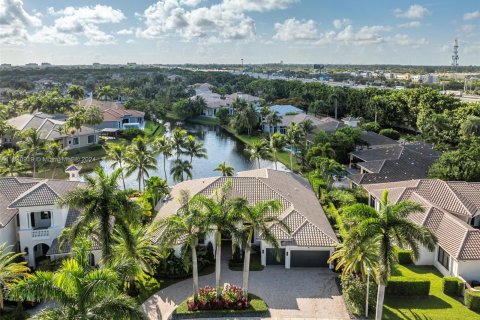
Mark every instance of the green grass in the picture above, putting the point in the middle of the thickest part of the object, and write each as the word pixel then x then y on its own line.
pixel 257 307
pixel 153 129
pixel 436 306
pixel 255 264
pixel 203 120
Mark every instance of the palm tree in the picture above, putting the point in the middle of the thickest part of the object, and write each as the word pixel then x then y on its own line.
pixel 178 141
pixel 326 150
pixel 55 152
pixel 116 153
pixel 78 290
pixel 187 225
pixel 334 98
pixel 101 202
pixel 272 119
pixel 258 217
pixel 258 150
pixel 156 189
pixel 76 92
pixel 227 171
pixel 141 159
pixel 163 145
pixel 105 93
pixel 388 227
pixel 291 138
pixel 220 212
pixel 93 116
pixel 181 168
pixel 10 271
pixel 194 148
pixel 306 127
pixel 32 146
pixel 277 144
pixel 10 161
pixel 328 169
pixel 75 121
pixel 318 107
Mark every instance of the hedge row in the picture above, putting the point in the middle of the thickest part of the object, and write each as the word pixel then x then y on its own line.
pixel 472 299
pixel 401 286
pixel 452 285
pixel 404 256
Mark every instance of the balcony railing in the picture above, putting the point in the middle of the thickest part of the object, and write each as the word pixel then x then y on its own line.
pixel 40 233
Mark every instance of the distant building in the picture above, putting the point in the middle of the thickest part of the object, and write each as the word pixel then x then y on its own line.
pixel 32 64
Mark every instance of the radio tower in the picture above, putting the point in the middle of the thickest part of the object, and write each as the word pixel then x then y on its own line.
pixel 455 55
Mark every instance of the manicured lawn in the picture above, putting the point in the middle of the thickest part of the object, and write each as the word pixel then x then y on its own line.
pixel 437 306
pixel 203 120
pixel 255 264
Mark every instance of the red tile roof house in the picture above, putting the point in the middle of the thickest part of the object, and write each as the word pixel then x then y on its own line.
pixel 312 239
pixel 115 116
pixel 452 213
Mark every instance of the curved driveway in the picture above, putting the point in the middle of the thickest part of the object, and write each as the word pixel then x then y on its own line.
pixel 297 293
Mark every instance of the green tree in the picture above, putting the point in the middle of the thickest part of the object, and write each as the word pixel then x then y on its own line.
pixel 177 140
pixel 194 148
pixel 227 171
pixel 57 154
pixel 76 92
pixel 319 107
pixel 277 145
pixel 179 169
pixel 10 162
pixel 272 120
pixel 32 146
pixel 223 116
pixel 163 146
pixel 306 127
pixel 75 121
pixel 11 271
pixel 140 158
pixel 292 138
pixel 458 165
pixel 156 189
pixel 116 153
pixel 105 93
pixel 258 150
pixel 78 290
pixel 93 116
pixel 388 227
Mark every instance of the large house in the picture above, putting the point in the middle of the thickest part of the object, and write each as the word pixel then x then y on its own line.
pixel 30 220
pixel 51 128
pixel 115 116
pixel 312 239
pixel 452 213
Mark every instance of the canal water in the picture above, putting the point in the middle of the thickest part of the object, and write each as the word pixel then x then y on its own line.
pixel 221 146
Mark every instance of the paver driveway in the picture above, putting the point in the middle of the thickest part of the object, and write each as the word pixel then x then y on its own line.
pixel 295 293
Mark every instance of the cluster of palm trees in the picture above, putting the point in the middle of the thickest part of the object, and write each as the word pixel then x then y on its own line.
pixel 220 214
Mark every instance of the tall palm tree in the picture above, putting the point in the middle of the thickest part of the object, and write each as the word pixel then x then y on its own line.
pixel 163 145
pixel 10 162
pixel 292 138
pixel 116 153
pixel 156 188
pixel 258 150
pixel 227 171
pixel 318 107
pixel 105 93
pixel 75 121
pixel 276 144
pixel 272 119
pixel 220 212
pixel 101 202
pixel 258 217
pixel 76 92
pixel 388 227
pixel 78 290
pixel 10 271
pixel 194 148
pixel 187 225
pixel 334 99
pixel 140 158
pixel 93 116
pixel 33 146
pixel 54 151
pixel 178 141
pixel 181 168
pixel 306 127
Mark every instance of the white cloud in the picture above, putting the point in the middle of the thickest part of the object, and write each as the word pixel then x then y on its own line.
pixel 415 11
pixel 125 32
pixel 410 24
pixel 15 21
pixel 295 30
pixel 190 3
pixel 257 5
pixel 130 41
pixel 340 23
pixel 471 15
pixel 405 40
pixel 468 30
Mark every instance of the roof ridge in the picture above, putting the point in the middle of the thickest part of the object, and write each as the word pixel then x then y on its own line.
pixel 313 224
pixel 35 187
pixel 463 243
pixel 460 197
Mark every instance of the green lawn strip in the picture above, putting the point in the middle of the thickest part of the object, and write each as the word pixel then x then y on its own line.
pixel 255 264
pixel 436 306
pixel 153 129
pixel 258 307
pixel 203 120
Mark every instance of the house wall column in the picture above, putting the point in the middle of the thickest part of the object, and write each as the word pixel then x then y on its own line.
pixel 31 256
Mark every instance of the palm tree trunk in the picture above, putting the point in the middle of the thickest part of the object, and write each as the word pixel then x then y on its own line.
pixel 246 264
pixel 194 272
pixel 34 166
pixel 291 160
pixel 53 173
pixel 123 177
pixel 258 162
pixel 1 299
pixel 380 297
pixel 164 166
pixel 218 263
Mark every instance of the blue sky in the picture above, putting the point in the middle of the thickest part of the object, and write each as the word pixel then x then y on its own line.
pixel 225 31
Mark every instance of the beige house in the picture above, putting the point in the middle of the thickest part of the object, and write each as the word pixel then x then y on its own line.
pixel 452 213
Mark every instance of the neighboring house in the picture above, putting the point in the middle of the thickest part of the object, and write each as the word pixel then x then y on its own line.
pixel 390 164
pixel 51 128
pixel 30 220
pixel 374 140
pixel 312 239
pixel 452 213
pixel 115 116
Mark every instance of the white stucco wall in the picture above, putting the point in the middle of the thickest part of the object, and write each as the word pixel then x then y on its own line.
pixel 426 257
pixel 469 269
pixel 8 234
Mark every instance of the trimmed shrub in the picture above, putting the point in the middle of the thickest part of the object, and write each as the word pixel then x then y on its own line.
pixel 472 299
pixel 401 286
pixel 131 133
pixel 452 285
pixel 354 291
pixel 371 126
pixel 404 256
pixel 390 133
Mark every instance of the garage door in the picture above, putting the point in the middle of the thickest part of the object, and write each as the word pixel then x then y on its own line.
pixel 272 257
pixel 305 258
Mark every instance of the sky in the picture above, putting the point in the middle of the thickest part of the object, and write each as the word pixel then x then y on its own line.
pixel 226 31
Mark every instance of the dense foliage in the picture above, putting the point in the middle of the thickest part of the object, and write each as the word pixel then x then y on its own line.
pixel 452 285
pixel 401 286
pixel 354 291
pixel 232 298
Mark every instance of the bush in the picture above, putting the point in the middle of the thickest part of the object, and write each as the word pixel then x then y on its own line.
pixel 223 116
pixel 341 198
pixel 472 299
pixel 452 285
pixel 232 298
pixel 354 290
pixel 390 133
pixel 404 256
pixel 371 126
pixel 401 286
pixel 131 133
